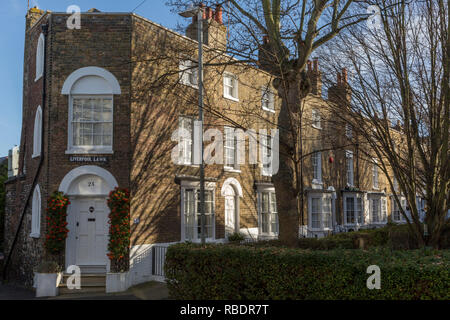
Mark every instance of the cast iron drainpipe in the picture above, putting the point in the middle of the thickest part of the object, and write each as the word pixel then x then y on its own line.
pixel 41 158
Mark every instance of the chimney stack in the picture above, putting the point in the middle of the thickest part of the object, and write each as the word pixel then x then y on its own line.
pixel 214 31
pixel 340 93
pixel 315 77
pixel 33 15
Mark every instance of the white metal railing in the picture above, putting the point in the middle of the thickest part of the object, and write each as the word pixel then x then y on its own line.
pixel 158 259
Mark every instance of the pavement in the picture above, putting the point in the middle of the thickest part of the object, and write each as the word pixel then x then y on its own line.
pixel 145 291
pixel 10 292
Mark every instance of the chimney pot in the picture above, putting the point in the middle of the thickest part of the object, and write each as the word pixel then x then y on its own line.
pixel 202 6
pixel 338 78
pixel 316 64
pixel 309 65
pixel 218 14
pixel 345 75
pixel 209 13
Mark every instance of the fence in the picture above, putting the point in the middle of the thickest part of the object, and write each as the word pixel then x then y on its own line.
pixel 158 259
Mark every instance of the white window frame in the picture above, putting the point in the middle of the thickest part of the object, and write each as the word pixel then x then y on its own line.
pixel 88 149
pixel 271 214
pixel 316 119
pixel 316 163
pixel 375 175
pixel 37 134
pixel 40 52
pixel 267 98
pixel 230 134
pixel 394 206
pixel 358 219
pixel 36 210
pixel 321 198
pixel 188 70
pixel 349 163
pixel 195 187
pixel 266 169
pixel 235 87
pixel 348 131
pixel 381 208
pixel 186 154
pixel 395 183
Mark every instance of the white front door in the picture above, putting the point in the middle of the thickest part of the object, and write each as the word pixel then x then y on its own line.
pixel 230 210
pixel 92 231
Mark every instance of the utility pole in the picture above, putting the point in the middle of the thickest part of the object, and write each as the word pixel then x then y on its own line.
pixel 191 12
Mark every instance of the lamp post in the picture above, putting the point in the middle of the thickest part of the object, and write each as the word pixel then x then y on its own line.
pixel 191 12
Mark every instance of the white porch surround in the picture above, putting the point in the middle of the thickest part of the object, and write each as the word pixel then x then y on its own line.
pixel 232 192
pixel 87 188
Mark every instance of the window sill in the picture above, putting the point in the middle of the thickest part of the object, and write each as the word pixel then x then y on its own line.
pixel 89 151
pixel 316 127
pixel 268 110
pixel 268 235
pixel 35 235
pixel 231 98
pixel 315 181
pixel 231 169
pixel 200 240
pixel 38 77
pixel 191 85
pixel 319 229
pixel 188 164
pixel 35 156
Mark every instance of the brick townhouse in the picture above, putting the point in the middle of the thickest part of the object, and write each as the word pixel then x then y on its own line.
pixel 100 108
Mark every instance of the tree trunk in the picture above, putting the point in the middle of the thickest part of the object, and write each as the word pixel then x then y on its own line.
pixel 286 181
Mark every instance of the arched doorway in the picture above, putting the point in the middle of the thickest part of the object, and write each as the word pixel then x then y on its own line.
pixel 231 191
pixel 86 245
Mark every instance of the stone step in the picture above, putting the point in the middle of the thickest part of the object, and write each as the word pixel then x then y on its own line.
pixel 87 279
pixel 90 283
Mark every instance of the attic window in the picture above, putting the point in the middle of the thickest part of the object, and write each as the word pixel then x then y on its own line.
pixel 230 87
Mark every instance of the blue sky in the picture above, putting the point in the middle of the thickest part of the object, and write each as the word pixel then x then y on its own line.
pixel 12 25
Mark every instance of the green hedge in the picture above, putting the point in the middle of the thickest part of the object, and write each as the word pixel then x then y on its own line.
pixel 242 272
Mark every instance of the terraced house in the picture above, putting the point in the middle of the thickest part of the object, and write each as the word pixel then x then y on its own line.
pixel 101 108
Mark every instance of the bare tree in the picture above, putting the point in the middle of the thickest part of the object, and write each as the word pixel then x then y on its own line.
pixel 401 75
pixel 292 30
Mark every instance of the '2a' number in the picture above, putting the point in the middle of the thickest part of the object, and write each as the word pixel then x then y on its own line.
pixel 91 184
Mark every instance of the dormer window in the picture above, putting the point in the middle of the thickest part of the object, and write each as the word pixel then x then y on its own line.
pixel 230 87
pixel 316 119
pixel 40 52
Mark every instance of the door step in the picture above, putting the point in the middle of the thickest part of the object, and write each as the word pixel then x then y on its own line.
pixel 90 283
pixel 93 269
